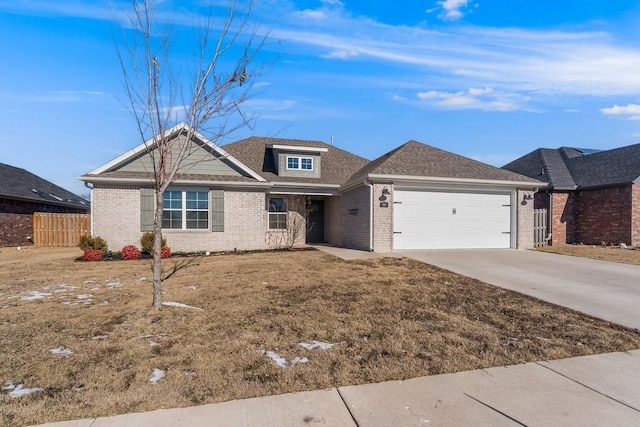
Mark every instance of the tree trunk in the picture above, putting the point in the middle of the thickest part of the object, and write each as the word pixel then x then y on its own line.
pixel 157 252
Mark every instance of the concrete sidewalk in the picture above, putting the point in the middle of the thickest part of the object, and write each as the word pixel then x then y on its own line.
pixel 592 390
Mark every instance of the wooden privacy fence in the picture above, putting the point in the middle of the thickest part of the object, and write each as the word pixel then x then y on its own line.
pixel 58 229
pixel 540 228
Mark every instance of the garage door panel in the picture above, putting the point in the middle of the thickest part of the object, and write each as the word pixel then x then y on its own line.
pixel 455 220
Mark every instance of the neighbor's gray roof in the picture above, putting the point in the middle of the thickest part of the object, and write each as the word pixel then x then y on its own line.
pixel 546 165
pixel 417 159
pixel 570 168
pixel 19 184
pixel 337 164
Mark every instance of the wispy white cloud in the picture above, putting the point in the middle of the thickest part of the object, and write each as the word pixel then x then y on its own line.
pixel 631 111
pixel 63 96
pixel 476 99
pixel 341 54
pixel 452 10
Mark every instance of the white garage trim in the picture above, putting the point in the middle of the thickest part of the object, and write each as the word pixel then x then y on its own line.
pixel 453 219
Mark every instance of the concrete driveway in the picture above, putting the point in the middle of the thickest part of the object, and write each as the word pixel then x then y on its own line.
pixel 607 290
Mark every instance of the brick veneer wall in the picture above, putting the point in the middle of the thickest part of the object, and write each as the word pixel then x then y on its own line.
pixel 116 218
pixel 382 218
pixel 605 215
pixel 524 224
pixel 16 220
pixel 334 214
pixel 564 217
pixel 355 208
pixel 635 214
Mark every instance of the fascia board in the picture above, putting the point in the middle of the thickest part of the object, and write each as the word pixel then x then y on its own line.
pixel 297 148
pixel 397 179
pixel 304 185
pixel 94 179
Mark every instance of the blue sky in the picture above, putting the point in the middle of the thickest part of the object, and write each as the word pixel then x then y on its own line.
pixel 488 79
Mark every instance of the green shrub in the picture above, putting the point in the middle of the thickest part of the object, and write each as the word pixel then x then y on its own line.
pixel 147 240
pixel 97 243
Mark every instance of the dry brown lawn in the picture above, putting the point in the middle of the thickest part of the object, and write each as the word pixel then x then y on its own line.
pixel 387 318
pixel 604 253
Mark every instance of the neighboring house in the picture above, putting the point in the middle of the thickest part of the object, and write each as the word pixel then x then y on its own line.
pixel 23 193
pixel 593 196
pixel 252 193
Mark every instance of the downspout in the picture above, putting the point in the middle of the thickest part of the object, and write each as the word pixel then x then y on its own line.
pixel 370 214
pixel 550 219
pixel 90 187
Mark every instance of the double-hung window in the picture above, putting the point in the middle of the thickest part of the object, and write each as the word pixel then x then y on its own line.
pixel 277 213
pixel 185 209
pixel 300 163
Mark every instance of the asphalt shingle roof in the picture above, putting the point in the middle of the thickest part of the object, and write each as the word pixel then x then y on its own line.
pixel 570 168
pixel 17 183
pixel 417 159
pixel 337 164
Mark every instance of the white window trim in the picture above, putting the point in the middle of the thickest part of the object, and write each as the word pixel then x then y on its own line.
pixel 286 213
pixel 183 209
pixel 299 163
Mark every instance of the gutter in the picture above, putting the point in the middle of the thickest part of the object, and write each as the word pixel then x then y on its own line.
pixel 366 182
pixel 176 182
pixel 430 179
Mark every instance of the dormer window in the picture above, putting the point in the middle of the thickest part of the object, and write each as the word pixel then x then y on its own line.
pixel 300 163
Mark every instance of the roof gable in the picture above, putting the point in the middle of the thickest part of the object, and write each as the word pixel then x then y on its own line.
pixel 17 183
pixel 205 158
pixel 415 159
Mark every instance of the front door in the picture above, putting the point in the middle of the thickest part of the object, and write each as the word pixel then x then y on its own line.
pixel 315 222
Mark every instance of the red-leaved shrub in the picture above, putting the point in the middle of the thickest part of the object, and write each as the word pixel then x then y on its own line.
pixel 130 252
pixel 92 255
pixel 166 252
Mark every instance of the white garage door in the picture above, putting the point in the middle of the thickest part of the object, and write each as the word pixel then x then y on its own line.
pixel 451 220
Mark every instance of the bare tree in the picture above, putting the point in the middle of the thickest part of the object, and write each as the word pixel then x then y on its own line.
pixel 297 224
pixel 210 92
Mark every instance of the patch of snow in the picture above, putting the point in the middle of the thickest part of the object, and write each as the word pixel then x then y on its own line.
pixel 153 343
pixel 152 336
pixel 158 374
pixel 18 390
pixel 281 361
pixel 34 295
pixel 5 306
pixel 192 287
pixel 61 351
pixel 180 305
pixel 190 373
pixel 95 289
pixel 315 344
pixel 78 389
pixel 112 285
pixel 100 337
pixel 84 296
pixel 104 303
pixel 86 282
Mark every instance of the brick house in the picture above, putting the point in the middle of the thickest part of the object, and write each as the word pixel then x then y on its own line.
pixel 250 195
pixel 23 193
pixel 593 197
